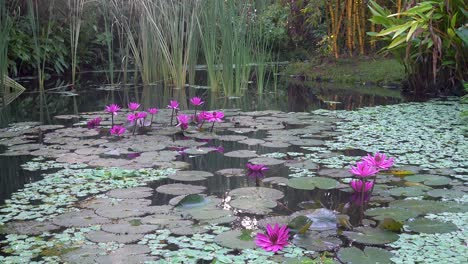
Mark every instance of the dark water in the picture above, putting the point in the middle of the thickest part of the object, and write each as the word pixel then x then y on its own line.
pixel 291 96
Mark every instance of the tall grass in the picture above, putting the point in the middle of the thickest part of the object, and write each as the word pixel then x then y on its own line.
pixel 5 25
pixel 41 41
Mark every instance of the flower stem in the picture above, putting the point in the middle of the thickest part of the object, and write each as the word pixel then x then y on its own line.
pixel 151 121
pixel 112 118
pixel 211 130
pixel 172 116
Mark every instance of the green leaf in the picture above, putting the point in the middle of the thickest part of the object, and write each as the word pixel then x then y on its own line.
pixel 191 199
pixel 371 236
pixel 300 224
pixel 246 235
pixel 310 183
pixel 391 225
pixel 370 255
pixel 424 225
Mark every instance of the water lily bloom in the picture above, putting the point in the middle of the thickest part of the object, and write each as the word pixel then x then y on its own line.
pixel 133 106
pixel 196 101
pixel 174 105
pixel 379 161
pixel 183 121
pixel 117 130
pixel 256 167
pixel 93 123
pixel 363 169
pixel 153 111
pixel 141 115
pixel 132 117
pixel 275 239
pixel 113 109
pixel 361 186
pixel 215 116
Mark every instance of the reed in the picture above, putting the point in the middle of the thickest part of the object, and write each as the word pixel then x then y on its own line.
pixel 5 25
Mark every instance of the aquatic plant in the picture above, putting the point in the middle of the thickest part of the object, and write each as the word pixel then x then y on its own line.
pixel 196 101
pixel 361 186
pixel 93 123
pixel 112 109
pixel 117 130
pixel 183 121
pixel 379 161
pixel 214 117
pixel 174 105
pixel 363 169
pixel 133 106
pixel 275 239
pixel 152 112
pixel 256 167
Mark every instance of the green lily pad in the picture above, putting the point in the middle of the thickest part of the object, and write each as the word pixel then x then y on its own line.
pixel 254 206
pixel 371 236
pixel 370 255
pixel 420 206
pixel 431 180
pixel 300 224
pixel 446 193
pixel 232 239
pixel 302 260
pixel 407 191
pixel 311 241
pixel 424 225
pixel 391 225
pixel 310 183
pixel 398 214
pixel 256 193
pixel 190 200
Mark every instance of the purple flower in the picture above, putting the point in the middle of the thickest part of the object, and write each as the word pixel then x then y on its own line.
pixel 133 106
pixel 132 117
pixel 215 116
pixel 183 121
pixel 379 161
pixel 117 130
pixel 275 239
pixel 360 185
pixel 93 123
pixel 153 111
pixel 363 169
pixel 141 115
pixel 256 167
pixel 196 101
pixel 174 105
pixel 113 109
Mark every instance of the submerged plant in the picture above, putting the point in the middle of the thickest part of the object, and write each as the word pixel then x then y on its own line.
pixel 112 109
pixel 174 105
pixel 275 239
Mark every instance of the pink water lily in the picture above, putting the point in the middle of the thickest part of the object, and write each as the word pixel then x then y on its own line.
pixel 363 169
pixel 173 104
pixel 275 239
pixel 256 167
pixel 133 106
pixel 113 109
pixel 153 111
pixel 132 117
pixel 183 121
pixel 93 123
pixel 361 186
pixel 117 130
pixel 379 161
pixel 196 101
pixel 141 115
pixel 215 117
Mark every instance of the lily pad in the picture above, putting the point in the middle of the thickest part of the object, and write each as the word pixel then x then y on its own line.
pixel 428 226
pixel 370 255
pixel 312 242
pixel 398 214
pixel 231 172
pixel 446 193
pixel 190 175
pixel 407 191
pixel 131 193
pixel 300 224
pixel 180 189
pixel 253 206
pixel 190 200
pixel 431 180
pixel 241 154
pixel 266 161
pixel 104 237
pixel 371 236
pixel 256 193
pixel 310 183
pixel 232 239
pixel 81 218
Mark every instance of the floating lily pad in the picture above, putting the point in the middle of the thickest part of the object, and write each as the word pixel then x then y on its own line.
pixel 128 254
pixel 420 206
pixel 312 242
pixel 334 173
pixel 231 172
pixel 398 214
pixel 370 255
pixel 446 193
pixel 232 138
pixel 280 220
pixel 29 227
pixel 190 175
pixel 131 193
pixel 129 226
pixel 86 254
pixel 252 141
pixel 307 142
pixel 241 154
pixel 300 224
pixel 424 225
pixel 253 206
pixel 190 200
pixel 431 180
pixel 322 218
pixel 276 144
pixel 310 183
pixel 407 191
pixel 232 239
pixel 180 189
pixel 266 161
pixel 308 165
pixel 256 193
pixel 104 237
pixel 371 236
pixel 276 180
pixel 81 218
pixel 209 214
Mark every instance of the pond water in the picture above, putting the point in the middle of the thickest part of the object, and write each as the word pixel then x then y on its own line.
pixel 164 196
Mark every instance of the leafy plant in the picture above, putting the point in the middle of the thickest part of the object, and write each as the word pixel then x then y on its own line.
pixel 430 38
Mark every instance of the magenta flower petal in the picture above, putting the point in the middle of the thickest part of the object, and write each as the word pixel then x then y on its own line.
pixel 215 117
pixel 379 161
pixel 113 109
pixel 275 239
pixel 357 185
pixel 153 111
pixel 173 104
pixel 196 101
pixel 363 169
pixel 93 123
pixel 117 130
pixel 133 106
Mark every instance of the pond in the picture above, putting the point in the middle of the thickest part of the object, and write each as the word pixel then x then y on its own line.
pixel 157 194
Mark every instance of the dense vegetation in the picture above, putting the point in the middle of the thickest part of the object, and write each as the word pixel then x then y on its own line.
pixel 165 40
